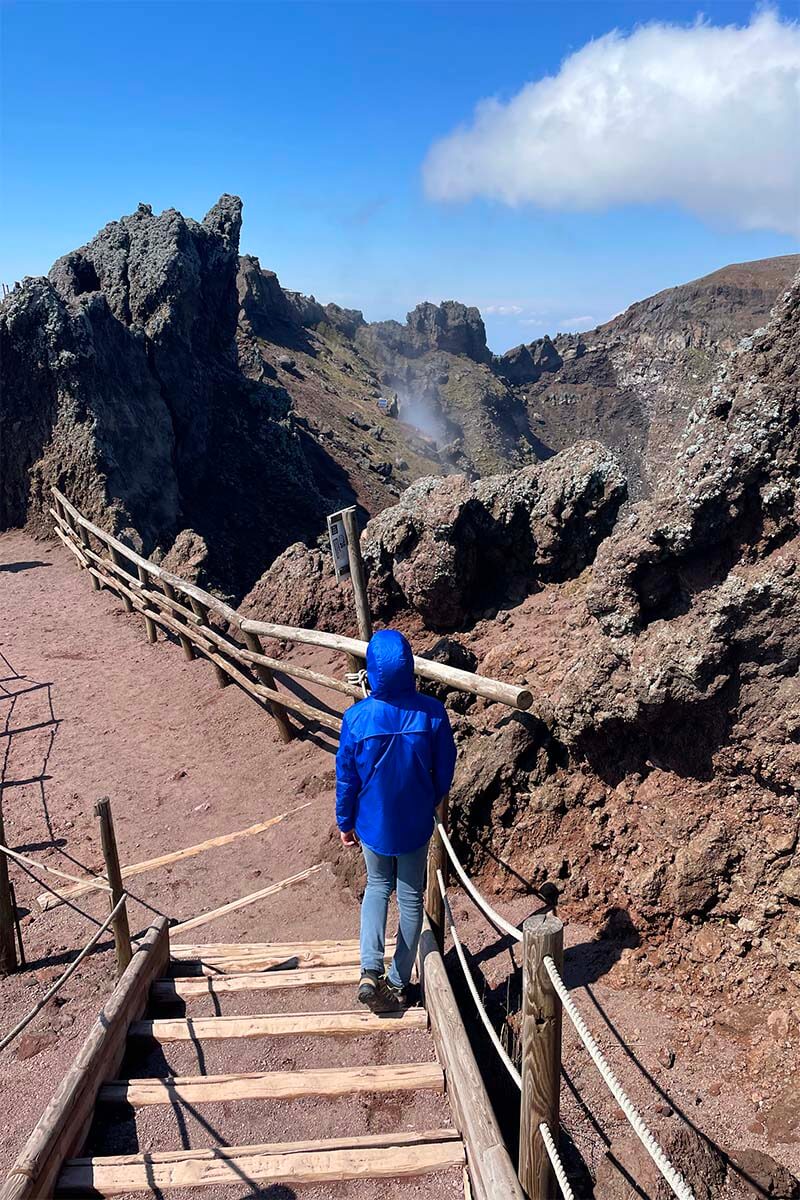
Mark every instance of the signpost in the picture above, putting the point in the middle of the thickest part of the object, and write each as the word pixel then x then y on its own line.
pixel 347 560
pixel 338 535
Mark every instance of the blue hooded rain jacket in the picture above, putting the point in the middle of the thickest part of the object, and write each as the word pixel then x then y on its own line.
pixel 396 755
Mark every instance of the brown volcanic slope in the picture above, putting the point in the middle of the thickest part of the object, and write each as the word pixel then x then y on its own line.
pixel 632 382
pixel 184 398
pixel 629 384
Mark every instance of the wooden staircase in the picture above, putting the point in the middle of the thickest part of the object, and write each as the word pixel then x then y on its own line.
pixel 318 1051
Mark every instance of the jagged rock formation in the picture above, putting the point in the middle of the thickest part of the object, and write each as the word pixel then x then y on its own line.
pixel 629 384
pixel 664 760
pixel 159 378
pixel 456 412
pixel 450 327
pixel 452 549
pixel 633 381
pixel 121 386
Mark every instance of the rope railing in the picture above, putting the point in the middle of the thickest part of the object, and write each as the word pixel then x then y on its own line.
pixel 673 1177
pixel 482 1013
pixel 555 1162
pixel 500 923
pixel 62 979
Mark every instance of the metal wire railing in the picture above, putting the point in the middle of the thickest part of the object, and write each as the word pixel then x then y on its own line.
pixel 62 979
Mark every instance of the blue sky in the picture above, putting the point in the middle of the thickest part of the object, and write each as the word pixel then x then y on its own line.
pixel 321 116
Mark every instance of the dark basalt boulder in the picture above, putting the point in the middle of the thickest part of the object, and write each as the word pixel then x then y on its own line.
pixel 451 549
pixel 122 387
pixel 525 364
pixel 450 327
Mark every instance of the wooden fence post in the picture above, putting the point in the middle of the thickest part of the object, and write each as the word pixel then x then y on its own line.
pixel 80 534
pixel 357 574
pixel 149 623
pixel 116 558
pixel 285 730
pixel 437 860
pixel 122 933
pixel 186 645
pixel 199 609
pixel 541 1053
pixel 8 949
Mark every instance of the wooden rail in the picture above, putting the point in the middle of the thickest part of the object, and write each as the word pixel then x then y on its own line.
pixel 208 626
pixel 492 1173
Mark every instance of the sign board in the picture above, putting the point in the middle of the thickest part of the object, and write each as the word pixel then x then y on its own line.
pixel 339 549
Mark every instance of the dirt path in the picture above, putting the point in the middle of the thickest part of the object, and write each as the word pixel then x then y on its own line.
pixel 98 711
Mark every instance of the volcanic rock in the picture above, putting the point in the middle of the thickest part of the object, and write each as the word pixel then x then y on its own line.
pixel 300 589
pixel 122 387
pixel 451 549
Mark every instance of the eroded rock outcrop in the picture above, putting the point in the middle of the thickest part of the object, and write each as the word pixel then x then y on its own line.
pixel 122 386
pixel 451 549
pixel 661 770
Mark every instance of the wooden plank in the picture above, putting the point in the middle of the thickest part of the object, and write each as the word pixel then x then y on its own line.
pixel 281 950
pixel 234 960
pixel 367 1156
pixel 320 1024
pixel 275 1085
pixel 63 1125
pixel 244 901
pixel 492 1173
pixel 164 860
pixel 464 681
pixel 287 667
pixel 209 985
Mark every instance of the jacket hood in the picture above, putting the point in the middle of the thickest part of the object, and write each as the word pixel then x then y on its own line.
pixel 390 665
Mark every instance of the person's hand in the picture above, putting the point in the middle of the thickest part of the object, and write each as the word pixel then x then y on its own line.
pixel 349 838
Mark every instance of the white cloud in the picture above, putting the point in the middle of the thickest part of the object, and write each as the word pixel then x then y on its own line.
pixel 503 310
pixel 706 117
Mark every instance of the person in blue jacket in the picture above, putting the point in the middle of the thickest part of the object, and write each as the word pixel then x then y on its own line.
pixel 394 767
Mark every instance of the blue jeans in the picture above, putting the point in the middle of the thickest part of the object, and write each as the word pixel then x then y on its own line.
pixel 406 872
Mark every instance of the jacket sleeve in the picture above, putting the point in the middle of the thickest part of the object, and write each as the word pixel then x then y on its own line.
pixel 348 784
pixel 444 757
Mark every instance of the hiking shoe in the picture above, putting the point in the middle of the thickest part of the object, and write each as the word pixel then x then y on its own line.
pixel 369 988
pixel 391 998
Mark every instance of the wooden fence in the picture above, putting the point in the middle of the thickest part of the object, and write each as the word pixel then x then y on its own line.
pixel 205 625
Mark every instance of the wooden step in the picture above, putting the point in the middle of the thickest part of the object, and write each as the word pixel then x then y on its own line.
pixel 280 1024
pixel 218 958
pixel 210 985
pixel 368 1156
pixel 275 1085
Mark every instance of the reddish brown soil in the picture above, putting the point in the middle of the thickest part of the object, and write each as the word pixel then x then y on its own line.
pixel 101 712
pixel 94 710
